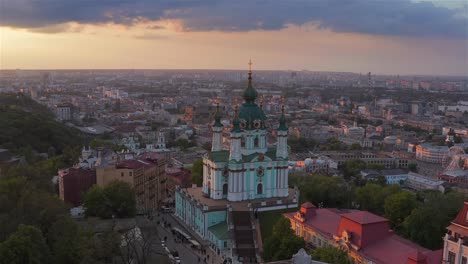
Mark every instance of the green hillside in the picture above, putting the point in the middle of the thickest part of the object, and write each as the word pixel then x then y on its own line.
pixel 25 124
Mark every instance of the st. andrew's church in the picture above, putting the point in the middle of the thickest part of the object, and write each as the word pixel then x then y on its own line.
pixel 248 178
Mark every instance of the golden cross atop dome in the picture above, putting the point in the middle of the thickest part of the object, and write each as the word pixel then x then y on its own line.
pixel 250 65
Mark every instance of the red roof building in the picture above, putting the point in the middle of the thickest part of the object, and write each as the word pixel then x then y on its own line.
pixel 73 183
pixel 367 237
pixel 456 239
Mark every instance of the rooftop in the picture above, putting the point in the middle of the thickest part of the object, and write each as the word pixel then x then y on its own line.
pixel 364 217
pixel 385 249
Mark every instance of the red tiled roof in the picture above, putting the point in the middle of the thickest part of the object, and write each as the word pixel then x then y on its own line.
pixel 308 205
pixel 364 217
pixel 462 216
pixel 397 250
pixel 134 164
pixel 325 221
pixel 385 248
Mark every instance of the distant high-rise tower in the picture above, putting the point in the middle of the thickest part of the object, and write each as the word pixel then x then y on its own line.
pixel 369 80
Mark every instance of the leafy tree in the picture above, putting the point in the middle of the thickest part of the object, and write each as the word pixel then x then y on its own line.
pixel 27 245
pixel 325 191
pixel 121 199
pixel 21 203
pixel 427 223
pixel 96 204
pixel 183 143
pixel 301 144
pixel 351 168
pixel 330 254
pixel 413 167
pixel 398 206
pixel 197 172
pixel 117 199
pixel 381 180
pixel 66 241
pixel 355 146
pixel 36 125
pixel 371 197
pixel 283 243
pixel 425 228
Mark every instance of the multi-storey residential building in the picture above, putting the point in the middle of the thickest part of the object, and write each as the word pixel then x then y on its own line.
pixel 388 160
pixel 146 174
pixel 365 236
pixel 456 239
pixel 430 153
pixel 63 111
pixel 74 183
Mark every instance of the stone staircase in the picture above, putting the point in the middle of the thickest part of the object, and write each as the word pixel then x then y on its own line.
pixel 243 235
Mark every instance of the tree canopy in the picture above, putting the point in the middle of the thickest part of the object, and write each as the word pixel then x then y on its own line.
pixel 197 172
pixel 117 199
pixel 26 123
pixel 398 206
pixel 330 254
pixel 26 245
pixel 283 243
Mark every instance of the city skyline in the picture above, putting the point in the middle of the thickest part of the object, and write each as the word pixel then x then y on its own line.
pixel 410 37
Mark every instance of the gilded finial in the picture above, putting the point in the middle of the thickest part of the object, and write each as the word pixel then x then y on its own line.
pixel 261 101
pixel 250 70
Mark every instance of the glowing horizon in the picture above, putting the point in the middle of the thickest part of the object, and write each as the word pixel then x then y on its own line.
pixel 186 39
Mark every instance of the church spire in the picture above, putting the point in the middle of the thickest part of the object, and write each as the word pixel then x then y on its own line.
pixel 217 116
pixel 282 120
pixel 250 94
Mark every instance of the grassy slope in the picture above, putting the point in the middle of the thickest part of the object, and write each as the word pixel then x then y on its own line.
pixel 268 220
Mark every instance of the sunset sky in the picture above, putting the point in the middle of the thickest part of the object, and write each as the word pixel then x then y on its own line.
pixel 382 36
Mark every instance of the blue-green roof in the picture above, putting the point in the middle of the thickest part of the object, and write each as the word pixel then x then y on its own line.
pixel 219 156
pixel 223 155
pixel 220 231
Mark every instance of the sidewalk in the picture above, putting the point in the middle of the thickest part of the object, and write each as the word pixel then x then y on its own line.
pixel 211 256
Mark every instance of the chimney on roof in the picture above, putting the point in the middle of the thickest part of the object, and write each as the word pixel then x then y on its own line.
pixel 308 209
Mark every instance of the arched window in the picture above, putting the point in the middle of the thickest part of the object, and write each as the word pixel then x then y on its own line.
pixel 209 188
pixel 225 189
pixel 256 142
pixel 260 188
pixel 242 142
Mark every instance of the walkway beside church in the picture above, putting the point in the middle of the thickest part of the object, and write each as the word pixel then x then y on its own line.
pixel 211 256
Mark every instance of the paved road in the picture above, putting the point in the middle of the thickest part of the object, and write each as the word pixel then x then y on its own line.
pixel 187 254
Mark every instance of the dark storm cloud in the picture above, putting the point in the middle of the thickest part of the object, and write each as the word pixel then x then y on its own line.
pixel 379 17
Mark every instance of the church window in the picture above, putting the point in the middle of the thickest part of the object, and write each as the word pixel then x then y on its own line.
pixel 225 189
pixel 256 142
pixel 243 142
pixel 260 188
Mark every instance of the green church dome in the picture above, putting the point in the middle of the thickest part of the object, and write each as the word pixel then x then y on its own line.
pixel 251 116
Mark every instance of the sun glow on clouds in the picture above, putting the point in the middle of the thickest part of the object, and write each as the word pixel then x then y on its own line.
pixel 168 44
